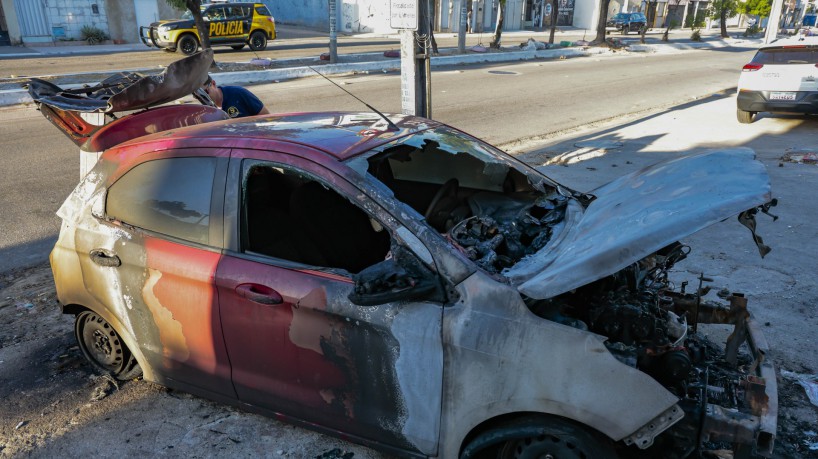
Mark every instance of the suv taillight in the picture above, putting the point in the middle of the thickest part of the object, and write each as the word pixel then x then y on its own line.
pixel 751 67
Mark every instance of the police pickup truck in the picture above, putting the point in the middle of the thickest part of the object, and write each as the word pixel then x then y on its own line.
pixel 231 24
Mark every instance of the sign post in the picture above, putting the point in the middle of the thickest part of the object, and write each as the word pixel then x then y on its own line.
pixel 411 18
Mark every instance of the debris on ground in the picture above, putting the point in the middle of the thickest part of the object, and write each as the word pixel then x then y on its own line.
pixel 105 387
pixel 534 45
pixel 800 156
pixel 335 454
pixel 808 382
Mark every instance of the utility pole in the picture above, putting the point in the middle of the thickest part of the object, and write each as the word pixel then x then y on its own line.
pixel 772 25
pixel 461 31
pixel 412 18
pixel 333 38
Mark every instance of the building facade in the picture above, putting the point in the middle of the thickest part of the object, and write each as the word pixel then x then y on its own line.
pixel 54 21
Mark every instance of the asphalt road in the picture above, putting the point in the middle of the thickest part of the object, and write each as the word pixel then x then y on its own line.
pixel 511 105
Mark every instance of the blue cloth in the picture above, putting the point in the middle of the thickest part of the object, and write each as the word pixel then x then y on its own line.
pixel 240 102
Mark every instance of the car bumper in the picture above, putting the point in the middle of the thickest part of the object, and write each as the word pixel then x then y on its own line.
pixel 759 101
pixel 151 38
pixel 754 429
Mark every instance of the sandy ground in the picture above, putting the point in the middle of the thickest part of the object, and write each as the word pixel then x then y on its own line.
pixel 55 405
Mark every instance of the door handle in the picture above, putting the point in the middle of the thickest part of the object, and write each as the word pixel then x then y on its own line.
pixel 105 257
pixel 259 294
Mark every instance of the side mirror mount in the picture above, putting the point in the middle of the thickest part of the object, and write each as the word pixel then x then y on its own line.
pixel 400 278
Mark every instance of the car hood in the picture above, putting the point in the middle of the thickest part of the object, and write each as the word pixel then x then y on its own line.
pixel 127 91
pixel 179 23
pixel 639 214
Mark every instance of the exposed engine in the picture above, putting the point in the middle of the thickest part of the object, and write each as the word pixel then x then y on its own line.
pixel 503 230
pixel 654 328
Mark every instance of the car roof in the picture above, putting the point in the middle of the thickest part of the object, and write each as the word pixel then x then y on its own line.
pixel 342 135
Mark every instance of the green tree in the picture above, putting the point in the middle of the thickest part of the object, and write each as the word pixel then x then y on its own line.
pixel 758 8
pixel 720 10
pixel 195 8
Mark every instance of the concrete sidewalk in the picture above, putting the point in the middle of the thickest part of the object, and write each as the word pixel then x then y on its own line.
pixel 283 69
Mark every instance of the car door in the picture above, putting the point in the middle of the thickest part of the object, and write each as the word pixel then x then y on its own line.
pixel 157 248
pixel 297 345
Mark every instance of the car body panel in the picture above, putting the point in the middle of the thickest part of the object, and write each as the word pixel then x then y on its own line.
pixel 650 208
pixel 487 374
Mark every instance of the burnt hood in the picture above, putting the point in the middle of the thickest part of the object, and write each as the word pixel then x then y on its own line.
pixel 68 109
pixel 639 214
pixel 127 91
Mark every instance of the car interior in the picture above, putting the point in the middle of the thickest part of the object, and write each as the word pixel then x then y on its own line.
pixel 296 218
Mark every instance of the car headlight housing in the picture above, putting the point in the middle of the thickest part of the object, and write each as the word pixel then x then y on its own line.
pixel 166 28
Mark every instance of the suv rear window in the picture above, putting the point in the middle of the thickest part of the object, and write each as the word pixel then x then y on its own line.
pixel 262 10
pixel 783 56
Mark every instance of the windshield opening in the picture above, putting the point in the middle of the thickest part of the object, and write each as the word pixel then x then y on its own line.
pixel 493 208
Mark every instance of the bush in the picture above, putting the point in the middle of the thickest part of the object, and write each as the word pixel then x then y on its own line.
pixel 696 35
pixel 93 35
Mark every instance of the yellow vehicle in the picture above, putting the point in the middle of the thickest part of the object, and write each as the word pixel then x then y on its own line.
pixel 231 24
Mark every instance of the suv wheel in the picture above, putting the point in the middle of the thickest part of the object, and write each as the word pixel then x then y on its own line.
pixel 258 41
pixel 744 117
pixel 187 45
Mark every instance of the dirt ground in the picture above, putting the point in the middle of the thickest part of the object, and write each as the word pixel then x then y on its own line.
pixel 56 405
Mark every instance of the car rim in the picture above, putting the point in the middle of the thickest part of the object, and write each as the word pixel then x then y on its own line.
pixel 542 447
pixel 100 342
pixel 257 41
pixel 188 46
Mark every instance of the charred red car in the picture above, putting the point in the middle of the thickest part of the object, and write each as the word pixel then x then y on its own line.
pixel 405 285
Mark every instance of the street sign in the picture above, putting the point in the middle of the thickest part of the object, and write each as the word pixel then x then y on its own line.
pixel 403 14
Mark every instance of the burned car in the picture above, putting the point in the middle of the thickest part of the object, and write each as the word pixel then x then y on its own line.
pixel 405 285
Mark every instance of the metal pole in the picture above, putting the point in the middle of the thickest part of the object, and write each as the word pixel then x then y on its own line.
pixel 333 38
pixel 772 25
pixel 461 30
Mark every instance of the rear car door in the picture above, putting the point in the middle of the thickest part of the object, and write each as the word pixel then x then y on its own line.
pixel 297 345
pixel 156 250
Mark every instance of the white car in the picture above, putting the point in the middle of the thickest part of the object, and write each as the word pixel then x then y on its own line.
pixel 780 78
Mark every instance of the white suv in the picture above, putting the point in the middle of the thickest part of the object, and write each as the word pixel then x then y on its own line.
pixel 780 78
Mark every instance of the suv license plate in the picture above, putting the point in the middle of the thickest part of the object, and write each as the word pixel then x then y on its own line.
pixel 782 96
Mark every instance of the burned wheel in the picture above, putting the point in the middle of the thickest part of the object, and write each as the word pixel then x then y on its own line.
pixel 103 346
pixel 258 41
pixel 187 45
pixel 539 437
